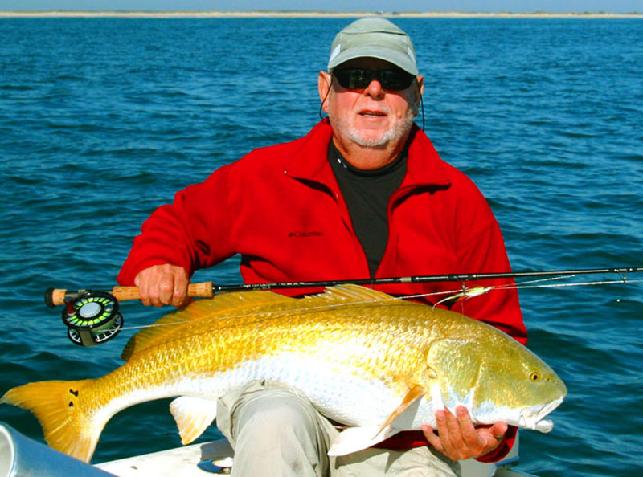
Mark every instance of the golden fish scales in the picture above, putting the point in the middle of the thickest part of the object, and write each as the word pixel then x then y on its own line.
pixel 342 349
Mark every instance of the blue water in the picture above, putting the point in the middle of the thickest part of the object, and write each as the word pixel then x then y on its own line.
pixel 101 120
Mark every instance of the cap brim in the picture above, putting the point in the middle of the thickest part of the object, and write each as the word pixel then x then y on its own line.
pixel 392 56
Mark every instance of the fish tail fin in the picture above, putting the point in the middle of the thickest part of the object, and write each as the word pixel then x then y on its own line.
pixel 65 412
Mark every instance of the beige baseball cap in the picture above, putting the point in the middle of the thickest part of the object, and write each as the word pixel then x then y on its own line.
pixel 373 37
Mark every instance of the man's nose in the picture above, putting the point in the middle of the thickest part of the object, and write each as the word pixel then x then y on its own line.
pixel 374 88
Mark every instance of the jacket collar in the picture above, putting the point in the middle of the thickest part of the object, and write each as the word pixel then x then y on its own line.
pixel 309 162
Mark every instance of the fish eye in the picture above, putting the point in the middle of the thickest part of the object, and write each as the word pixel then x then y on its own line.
pixel 534 376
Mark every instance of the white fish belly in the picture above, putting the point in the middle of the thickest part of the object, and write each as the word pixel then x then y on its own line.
pixel 345 395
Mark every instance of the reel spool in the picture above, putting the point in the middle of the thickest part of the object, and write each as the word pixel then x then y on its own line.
pixel 92 318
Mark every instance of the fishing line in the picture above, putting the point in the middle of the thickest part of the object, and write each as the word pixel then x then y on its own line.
pixel 267 316
pixel 573 284
pixel 523 285
pixel 464 287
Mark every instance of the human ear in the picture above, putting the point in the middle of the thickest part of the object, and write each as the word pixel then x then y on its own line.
pixel 323 88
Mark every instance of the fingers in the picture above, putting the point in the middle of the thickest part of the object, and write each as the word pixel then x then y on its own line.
pixel 452 435
pixel 496 434
pixel 180 289
pixel 469 434
pixel 433 439
pixel 162 285
pixel 459 439
pixel 499 429
pixel 165 290
pixel 456 440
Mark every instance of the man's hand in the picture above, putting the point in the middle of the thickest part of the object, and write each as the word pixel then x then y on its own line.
pixel 457 437
pixel 163 285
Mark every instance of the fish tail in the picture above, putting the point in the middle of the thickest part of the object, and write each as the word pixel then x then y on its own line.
pixel 65 411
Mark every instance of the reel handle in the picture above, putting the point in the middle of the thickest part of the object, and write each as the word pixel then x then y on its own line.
pixel 57 296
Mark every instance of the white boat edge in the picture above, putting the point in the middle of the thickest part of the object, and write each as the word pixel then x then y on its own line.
pixel 184 461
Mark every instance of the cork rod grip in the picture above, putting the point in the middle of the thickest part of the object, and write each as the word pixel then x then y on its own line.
pixel 203 289
pixel 56 296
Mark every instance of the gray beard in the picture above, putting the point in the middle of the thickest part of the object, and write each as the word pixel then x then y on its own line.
pixel 393 135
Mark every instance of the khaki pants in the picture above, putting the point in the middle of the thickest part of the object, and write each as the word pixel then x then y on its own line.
pixel 277 433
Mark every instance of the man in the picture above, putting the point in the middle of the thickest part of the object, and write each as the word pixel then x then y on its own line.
pixel 362 194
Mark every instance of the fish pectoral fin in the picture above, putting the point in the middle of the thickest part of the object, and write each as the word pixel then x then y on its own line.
pixel 358 438
pixel 415 393
pixel 354 439
pixel 193 416
pixel 441 356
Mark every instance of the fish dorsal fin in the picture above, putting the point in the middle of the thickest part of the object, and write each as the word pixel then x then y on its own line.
pixel 232 304
pixel 349 293
pixel 225 305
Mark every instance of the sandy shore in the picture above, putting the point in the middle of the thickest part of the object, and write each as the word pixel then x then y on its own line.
pixel 299 14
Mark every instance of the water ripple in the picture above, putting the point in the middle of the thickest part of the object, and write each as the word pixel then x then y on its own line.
pixel 103 120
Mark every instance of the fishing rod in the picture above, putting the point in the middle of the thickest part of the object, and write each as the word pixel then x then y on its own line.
pixel 93 317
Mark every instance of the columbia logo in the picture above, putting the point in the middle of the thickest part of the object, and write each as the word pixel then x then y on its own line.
pixel 304 233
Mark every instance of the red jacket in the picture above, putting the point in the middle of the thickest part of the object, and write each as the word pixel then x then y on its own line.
pixel 280 208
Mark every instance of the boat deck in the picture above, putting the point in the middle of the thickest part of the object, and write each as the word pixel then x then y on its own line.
pixel 185 461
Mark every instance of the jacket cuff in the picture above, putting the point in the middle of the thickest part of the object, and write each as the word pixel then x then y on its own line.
pixel 503 449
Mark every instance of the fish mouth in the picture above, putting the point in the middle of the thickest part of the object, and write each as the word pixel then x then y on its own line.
pixel 533 417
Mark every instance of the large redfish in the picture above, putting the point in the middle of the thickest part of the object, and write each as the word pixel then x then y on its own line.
pixel 363 358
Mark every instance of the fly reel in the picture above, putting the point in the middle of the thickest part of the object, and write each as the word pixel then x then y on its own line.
pixel 92 317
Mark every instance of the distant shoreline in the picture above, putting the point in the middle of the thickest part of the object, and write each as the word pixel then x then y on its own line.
pixel 298 14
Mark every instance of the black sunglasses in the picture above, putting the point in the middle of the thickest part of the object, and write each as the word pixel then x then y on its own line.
pixel 358 78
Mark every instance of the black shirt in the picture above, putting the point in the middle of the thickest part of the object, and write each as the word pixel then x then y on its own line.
pixel 367 194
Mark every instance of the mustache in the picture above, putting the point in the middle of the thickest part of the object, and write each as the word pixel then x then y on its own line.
pixel 383 109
